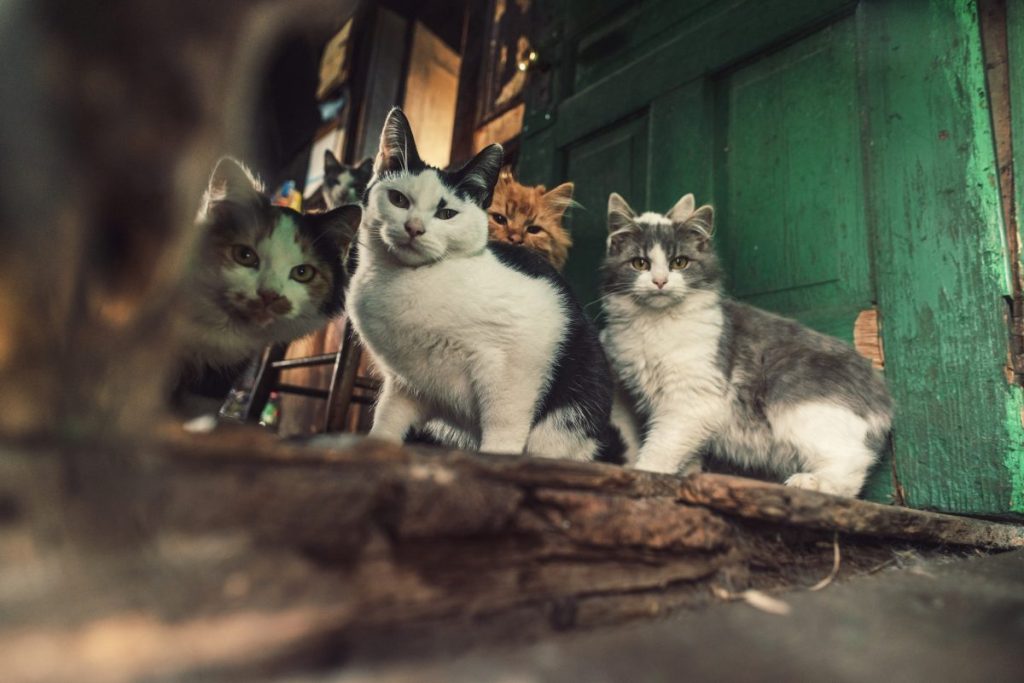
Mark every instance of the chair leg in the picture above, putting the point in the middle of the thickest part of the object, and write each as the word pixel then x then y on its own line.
pixel 266 379
pixel 343 381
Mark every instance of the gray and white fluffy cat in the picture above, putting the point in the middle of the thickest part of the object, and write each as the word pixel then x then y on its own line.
pixel 707 373
pixel 484 337
pixel 262 274
pixel 344 184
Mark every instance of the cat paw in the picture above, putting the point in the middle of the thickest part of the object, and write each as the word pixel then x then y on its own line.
pixel 690 468
pixel 811 482
pixel 663 465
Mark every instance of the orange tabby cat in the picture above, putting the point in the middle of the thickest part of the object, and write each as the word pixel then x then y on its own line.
pixel 532 217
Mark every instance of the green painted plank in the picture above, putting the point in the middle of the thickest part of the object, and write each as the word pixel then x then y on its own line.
pixel 1015 44
pixel 720 35
pixel 632 30
pixel 681 140
pixel 940 256
pixel 538 159
pixel 612 161
pixel 790 199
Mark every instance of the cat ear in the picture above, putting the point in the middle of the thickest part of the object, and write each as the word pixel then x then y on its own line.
pixel 702 223
pixel 332 167
pixel 365 168
pixel 231 179
pixel 341 223
pixel 620 216
pixel 397 150
pixel 478 178
pixel 560 198
pixel 682 210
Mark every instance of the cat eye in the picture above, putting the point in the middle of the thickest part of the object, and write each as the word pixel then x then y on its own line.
pixel 499 219
pixel 534 229
pixel 679 262
pixel 245 256
pixel 398 199
pixel 446 214
pixel 640 263
pixel 303 273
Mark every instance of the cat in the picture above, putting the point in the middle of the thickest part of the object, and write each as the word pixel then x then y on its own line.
pixel 261 275
pixel 531 217
pixel 708 373
pixel 344 184
pixel 484 336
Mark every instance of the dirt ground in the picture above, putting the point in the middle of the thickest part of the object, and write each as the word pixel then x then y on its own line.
pixel 929 620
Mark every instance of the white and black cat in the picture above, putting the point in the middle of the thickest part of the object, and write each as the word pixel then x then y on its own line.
pixel 706 372
pixel 262 274
pixel 484 337
pixel 344 184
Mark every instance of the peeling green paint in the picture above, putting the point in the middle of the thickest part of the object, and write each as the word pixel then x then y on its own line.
pixel 1015 72
pixel 1015 453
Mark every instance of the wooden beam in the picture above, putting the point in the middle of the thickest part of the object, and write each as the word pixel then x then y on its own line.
pixel 236 552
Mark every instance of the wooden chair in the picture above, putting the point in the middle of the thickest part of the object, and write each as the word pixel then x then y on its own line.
pixel 347 387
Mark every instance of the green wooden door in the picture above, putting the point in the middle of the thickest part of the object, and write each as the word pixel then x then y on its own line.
pixel 789 182
pixel 612 158
pixel 847 149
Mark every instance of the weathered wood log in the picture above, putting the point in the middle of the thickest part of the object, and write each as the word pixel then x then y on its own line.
pixel 251 555
pixel 439 471
pixel 764 501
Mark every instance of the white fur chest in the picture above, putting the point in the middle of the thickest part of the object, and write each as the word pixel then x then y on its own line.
pixel 440 328
pixel 666 357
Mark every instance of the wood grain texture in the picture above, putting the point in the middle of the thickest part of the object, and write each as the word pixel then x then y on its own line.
pixel 758 500
pixel 238 555
pixel 720 34
pixel 1014 460
pixel 867 338
pixel 940 268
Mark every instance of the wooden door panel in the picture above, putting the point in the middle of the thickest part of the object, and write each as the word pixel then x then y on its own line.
pixel 612 161
pixel 791 224
pixel 629 28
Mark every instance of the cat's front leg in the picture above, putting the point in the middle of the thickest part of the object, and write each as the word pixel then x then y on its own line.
pixel 505 428
pixel 674 440
pixel 397 410
pixel 506 413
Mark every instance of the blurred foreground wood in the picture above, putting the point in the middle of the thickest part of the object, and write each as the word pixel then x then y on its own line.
pixel 235 555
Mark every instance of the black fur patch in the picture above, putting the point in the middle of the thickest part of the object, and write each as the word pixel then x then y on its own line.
pixel 582 377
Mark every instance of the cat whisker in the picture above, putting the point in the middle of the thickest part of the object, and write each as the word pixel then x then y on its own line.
pixel 605 297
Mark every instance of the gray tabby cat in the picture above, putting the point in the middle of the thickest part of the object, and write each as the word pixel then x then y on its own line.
pixel 707 373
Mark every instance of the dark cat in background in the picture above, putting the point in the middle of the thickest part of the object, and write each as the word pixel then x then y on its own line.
pixel 344 184
pixel 261 274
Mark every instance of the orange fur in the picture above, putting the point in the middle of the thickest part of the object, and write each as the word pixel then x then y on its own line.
pixel 522 207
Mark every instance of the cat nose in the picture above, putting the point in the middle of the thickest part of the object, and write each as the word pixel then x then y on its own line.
pixel 268 297
pixel 515 239
pixel 660 281
pixel 414 228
